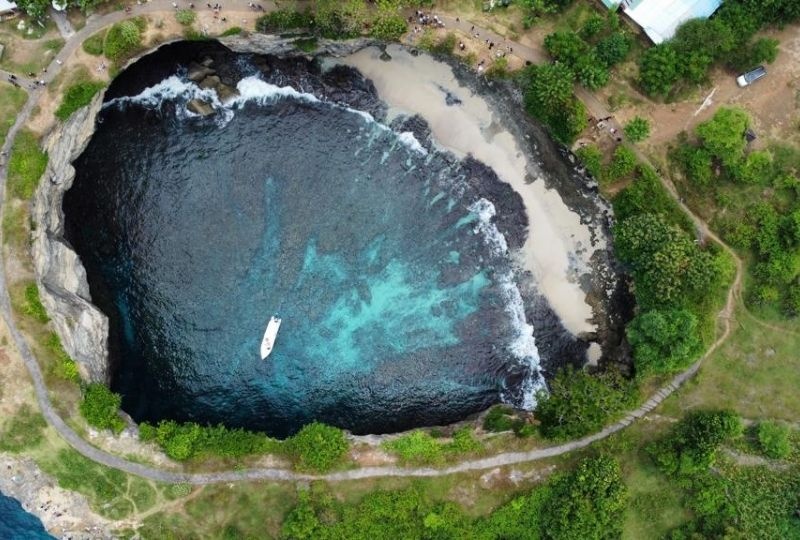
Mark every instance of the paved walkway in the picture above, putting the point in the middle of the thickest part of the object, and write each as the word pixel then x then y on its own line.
pixel 508 458
pixel 62 22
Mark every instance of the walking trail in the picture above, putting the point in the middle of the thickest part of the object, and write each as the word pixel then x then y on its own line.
pixel 508 458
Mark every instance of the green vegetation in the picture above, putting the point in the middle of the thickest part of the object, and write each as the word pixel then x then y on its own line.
pixel 726 38
pixel 185 17
pixel 24 430
pixel 94 44
pixel 549 98
pixel 190 440
pixel 535 9
pixel 76 96
pixel 586 503
pixel 26 165
pixel 123 39
pixel 33 306
pixel 691 446
pixel 317 447
pixel 340 19
pixel 444 46
pixel 421 447
pixel 100 407
pixel 580 403
pixel 232 31
pixel 388 23
pixel 664 341
pixel 773 437
pixel 592 158
pixel 501 418
pixel 65 367
pixel 11 100
pixel 284 19
pixel 754 197
pixel 593 51
pixel 637 130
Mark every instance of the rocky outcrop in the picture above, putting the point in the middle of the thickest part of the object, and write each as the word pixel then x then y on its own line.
pixel 287 46
pixel 198 106
pixel 61 278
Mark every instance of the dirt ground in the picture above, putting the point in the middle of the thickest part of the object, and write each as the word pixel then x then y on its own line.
pixel 773 102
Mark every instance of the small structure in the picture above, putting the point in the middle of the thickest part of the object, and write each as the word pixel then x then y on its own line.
pixel 7 8
pixel 660 18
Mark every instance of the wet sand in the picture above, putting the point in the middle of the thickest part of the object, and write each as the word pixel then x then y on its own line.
pixel 558 247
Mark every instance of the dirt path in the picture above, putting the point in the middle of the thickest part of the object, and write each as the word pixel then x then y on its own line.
pixel 275 474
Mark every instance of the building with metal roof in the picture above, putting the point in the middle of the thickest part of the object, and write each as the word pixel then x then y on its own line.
pixel 660 18
pixel 7 7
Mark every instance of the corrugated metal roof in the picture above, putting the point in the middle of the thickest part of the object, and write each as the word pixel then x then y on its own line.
pixel 611 4
pixel 5 5
pixel 660 18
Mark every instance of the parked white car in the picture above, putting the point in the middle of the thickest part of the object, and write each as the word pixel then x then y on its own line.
pixel 751 76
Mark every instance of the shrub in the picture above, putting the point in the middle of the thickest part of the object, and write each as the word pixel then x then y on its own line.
pixel 100 407
pixel 94 44
pixel 587 503
pixel 33 306
pixel 232 31
pixel 340 19
pixel 549 97
pixel 26 165
pixel 499 418
pixel 613 49
pixel 580 403
pixel 389 23
pixel 416 447
pixel 185 17
pixel 592 159
pixel 638 129
pixel 692 444
pixel 774 439
pixel 78 95
pixel 723 135
pixel 284 19
pixel 66 368
pixel 317 447
pixel 189 440
pixel 122 40
pixel 659 69
pixel 664 341
pixel 623 163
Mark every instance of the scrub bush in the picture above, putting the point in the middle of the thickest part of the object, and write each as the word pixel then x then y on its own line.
pixel 284 19
pixel 774 439
pixel 100 407
pixel 185 17
pixel 189 440
pixel 638 129
pixel 94 44
pixel 317 447
pixel 33 304
pixel 76 96
pixel 26 165
pixel 122 40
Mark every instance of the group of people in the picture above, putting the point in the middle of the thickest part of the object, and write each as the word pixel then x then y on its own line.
pixel 255 7
pixel 424 19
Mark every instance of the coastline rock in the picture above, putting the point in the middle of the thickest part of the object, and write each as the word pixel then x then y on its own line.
pixel 198 72
pixel 198 106
pixel 64 290
pixel 285 46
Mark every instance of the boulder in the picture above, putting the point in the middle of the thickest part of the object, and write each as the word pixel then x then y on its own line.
pixel 198 72
pixel 226 92
pixel 212 81
pixel 198 106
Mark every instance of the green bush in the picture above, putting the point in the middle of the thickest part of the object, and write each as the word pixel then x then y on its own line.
pixel 76 96
pixel 189 440
pixel 691 446
pixel 26 165
pixel 623 164
pixel 416 447
pixel 499 418
pixel 549 97
pixel 638 129
pixel 317 447
pixel 284 19
pixel 389 23
pixel 664 341
pixel 580 403
pixel 122 40
pixel 100 407
pixel 232 31
pixel 33 306
pixel 94 44
pixel 185 17
pixel 65 368
pixel 592 159
pixel 774 439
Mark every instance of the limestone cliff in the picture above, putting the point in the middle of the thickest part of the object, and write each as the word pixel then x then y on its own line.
pixel 82 327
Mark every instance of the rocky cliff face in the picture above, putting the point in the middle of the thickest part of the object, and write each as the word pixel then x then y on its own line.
pixel 286 47
pixel 82 327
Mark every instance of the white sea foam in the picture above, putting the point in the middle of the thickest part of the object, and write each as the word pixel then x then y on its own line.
pixel 523 345
pixel 251 89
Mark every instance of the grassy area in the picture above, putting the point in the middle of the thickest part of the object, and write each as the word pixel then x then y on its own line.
pixel 26 165
pixel 11 101
pixel 78 95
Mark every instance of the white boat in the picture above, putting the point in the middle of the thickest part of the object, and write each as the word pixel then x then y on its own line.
pixel 269 336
